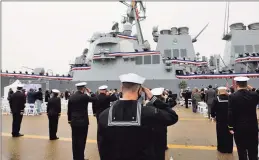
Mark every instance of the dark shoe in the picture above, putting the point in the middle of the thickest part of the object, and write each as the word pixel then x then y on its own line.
pixel 54 138
pixel 18 135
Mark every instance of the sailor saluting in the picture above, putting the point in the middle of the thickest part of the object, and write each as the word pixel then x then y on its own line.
pixel 125 129
pixel 53 112
pixel 104 100
pixel 242 119
pixel 78 118
pixel 159 132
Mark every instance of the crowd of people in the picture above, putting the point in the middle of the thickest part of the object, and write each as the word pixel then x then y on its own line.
pixel 206 95
pixel 234 111
pixel 132 123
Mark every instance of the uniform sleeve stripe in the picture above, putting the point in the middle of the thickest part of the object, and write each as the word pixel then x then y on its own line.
pixel 153 99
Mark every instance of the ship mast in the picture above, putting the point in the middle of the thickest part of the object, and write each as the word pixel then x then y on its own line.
pixel 138 27
pixel 133 15
pixel 226 35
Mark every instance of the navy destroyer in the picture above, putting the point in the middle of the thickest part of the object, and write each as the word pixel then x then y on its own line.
pixel 174 60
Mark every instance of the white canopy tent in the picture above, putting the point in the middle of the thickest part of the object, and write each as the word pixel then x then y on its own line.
pixel 14 87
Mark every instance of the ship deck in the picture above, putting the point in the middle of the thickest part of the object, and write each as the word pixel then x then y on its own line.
pixel 192 138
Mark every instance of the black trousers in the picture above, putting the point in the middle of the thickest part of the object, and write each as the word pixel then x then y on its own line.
pixel 186 103
pixel 79 136
pixel 247 144
pixel 16 126
pixel 160 142
pixel 224 138
pixel 53 126
pixel 209 110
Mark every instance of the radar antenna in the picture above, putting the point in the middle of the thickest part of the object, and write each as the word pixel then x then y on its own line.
pixel 116 27
pixel 195 38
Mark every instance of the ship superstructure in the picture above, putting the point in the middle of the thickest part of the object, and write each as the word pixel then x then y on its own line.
pixel 121 51
pixel 115 53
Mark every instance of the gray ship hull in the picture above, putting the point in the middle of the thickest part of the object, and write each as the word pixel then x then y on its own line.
pixel 172 84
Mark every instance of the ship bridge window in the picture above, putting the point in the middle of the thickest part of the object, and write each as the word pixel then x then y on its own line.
pixel 167 53
pixel 147 59
pixel 239 49
pixel 176 52
pixel 155 59
pixel 256 48
pixel 139 60
pixel 249 48
pixel 183 52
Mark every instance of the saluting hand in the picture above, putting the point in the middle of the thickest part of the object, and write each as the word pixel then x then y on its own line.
pixel 147 92
pixel 231 131
pixel 249 87
pixel 88 90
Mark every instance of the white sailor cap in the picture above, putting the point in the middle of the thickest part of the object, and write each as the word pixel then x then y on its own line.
pixel 132 78
pixel 219 88
pixel 103 87
pixel 55 91
pixel 241 79
pixel 81 84
pixel 20 85
pixel 157 91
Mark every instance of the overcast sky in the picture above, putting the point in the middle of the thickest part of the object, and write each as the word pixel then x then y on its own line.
pixel 51 34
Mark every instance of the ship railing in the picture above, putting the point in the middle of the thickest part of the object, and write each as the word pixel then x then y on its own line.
pixel 180 61
pixel 32 74
pixel 247 59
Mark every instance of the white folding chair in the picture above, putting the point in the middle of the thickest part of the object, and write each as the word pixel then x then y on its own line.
pixel 205 112
pixel 26 109
pixel 44 107
pixel 6 107
pixel 64 104
pixel 32 110
pixel 189 102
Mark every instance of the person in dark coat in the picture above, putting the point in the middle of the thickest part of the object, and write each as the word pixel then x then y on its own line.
pixel 187 95
pixel 17 105
pixel 31 96
pixel 203 94
pixel 219 111
pixel 210 95
pixel 66 94
pixel 78 119
pixel 159 132
pixel 53 112
pixel 39 100
pixel 125 129
pixel 94 103
pixel 242 119
pixel 47 96
pixel 104 100
pixel 171 99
